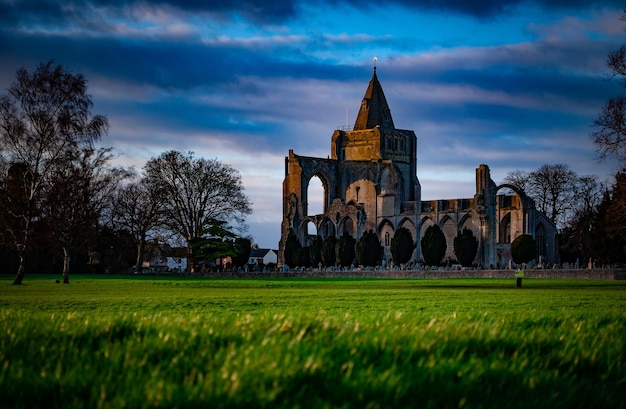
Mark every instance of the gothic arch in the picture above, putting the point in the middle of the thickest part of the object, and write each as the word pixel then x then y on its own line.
pixel 388 181
pixel 326 228
pixel 504 231
pixel 408 224
pixel 467 221
pixel 386 232
pixel 450 229
pixel 326 183
pixel 346 225
pixel 541 241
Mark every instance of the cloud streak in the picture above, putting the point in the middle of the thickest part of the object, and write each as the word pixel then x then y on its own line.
pixel 513 84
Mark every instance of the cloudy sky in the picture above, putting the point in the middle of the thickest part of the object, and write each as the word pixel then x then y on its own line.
pixel 509 83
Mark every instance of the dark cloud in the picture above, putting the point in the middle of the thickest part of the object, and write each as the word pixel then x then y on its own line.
pixel 44 12
pixel 34 13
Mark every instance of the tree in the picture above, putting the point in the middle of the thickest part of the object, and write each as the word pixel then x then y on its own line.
pixel 433 245
pixel 138 208
pixel 197 191
pixel 402 246
pixel 553 187
pixel 609 229
pixel 344 250
pixel 523 249
pixel 44 116
pixel 328 251
pixel 303 257
pixel 215 242
pixel 368 249
pixel 575 240
pixel 292 247
pixel 315 251
pixel 609 135
pixel 465 247
pixel 243 245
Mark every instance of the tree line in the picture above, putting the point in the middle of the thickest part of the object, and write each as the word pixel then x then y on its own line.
pixel 64 204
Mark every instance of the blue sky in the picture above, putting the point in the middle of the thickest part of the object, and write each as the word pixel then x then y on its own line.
pixel 512 84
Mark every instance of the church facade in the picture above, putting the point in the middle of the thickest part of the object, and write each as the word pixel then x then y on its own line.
pixel 370 183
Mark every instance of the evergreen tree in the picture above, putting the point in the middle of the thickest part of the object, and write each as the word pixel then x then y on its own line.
pixel 315 251
pixel 292 246
pixel 609 229
pixel 344 250
pixel 523 249
pixel 368 249
pixel 402 246
pixel 303 258
pixel 465 247
pixel 433 245
pixel 328 251
pixel 243 248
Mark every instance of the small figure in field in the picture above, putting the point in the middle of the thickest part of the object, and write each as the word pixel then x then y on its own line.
pixel 519 274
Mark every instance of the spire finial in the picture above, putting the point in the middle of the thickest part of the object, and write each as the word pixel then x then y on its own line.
pixel 375 59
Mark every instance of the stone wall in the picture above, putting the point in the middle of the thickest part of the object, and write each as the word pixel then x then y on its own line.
pixel 580 274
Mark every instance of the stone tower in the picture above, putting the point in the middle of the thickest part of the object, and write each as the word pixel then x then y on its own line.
pixel 370 183
pixel 369 180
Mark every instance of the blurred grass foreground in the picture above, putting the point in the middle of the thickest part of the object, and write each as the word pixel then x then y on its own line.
pixel 151 342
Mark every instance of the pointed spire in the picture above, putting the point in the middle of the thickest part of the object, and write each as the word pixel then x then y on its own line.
pixel 374 110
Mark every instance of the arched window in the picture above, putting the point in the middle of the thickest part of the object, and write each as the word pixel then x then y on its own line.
pixel 540 238
pixel 315 196
pixel 387 239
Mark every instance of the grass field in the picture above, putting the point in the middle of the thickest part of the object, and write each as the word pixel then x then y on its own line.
pixel 148 342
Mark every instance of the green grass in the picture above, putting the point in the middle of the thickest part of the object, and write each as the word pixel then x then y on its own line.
pixel 148 342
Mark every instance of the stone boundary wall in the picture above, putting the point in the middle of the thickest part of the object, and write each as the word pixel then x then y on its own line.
pixel 580 274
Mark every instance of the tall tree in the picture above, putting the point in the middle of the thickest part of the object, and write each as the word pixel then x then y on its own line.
pixel 368 249
pixel 433 245
pixel 328 255
pixel 138 208
pixel 344 250
pixel 197 192
pixel 553 187
pixel 523 249
pixel 465 247
pixel 609 228
pixel 402 246
pixel 609 135
pixel 44 115
pixel 81 187
pixel 575 240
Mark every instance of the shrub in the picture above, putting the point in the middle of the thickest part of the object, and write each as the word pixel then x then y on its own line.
pixel 315 251
pixel 368 249
pixel 292 246
pixel 402 246
pixel 523 249
pixel 465 247
pixel 344 250
pixel 433 245
pixel 303 258
pixel 328 251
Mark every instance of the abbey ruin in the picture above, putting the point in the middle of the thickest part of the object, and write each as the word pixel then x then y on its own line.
pixel 370 183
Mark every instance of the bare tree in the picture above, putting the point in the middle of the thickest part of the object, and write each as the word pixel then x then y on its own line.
pixel 609 135
pixel 81 187
pixel 553 187
pixel 139 209
pixel 45 115
pixel 197 192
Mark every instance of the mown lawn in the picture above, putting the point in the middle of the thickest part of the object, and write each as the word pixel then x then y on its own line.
pixel 147 342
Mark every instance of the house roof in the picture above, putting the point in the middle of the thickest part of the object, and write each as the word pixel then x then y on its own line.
pixel 374 110
pixel 259 253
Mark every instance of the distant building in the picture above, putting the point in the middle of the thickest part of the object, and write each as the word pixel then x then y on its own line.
pixel 370 183
pixel 161 257
pixel 262 257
